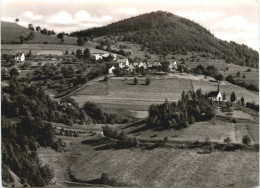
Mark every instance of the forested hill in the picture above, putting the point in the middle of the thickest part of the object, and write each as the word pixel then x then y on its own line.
pixel 164 33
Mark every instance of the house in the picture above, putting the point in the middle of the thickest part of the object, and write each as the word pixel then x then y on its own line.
pixel 110 71
pixel 20 57
pixel 141 64
pixel 215 95
pixel 135 64
pixel 173 65
pixel 131 67
pixel 122 63
pixel 154 65
pixel 97 56
pixel 106 55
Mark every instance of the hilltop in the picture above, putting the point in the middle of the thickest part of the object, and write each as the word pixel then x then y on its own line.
pixel 164 33
pixel 10 33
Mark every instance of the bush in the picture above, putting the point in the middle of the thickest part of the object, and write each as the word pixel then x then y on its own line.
pixel 106 78
pixel 246 140
pixel 47 173
pixel 148 81
pixel 227 140
pixel 234 120
pixel 135 81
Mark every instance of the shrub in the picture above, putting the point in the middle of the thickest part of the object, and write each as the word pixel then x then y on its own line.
pixel 106 78
pixel 234 120
pixel 47 173
pixel 135 81
pixel 246 140
pixel 227 140
pixel 148 81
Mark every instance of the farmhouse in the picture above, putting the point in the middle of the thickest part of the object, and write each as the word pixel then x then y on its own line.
pixel 131 67
pixel 110 71
pixel 20 57
pixel 141 64
pixel 215 95
pixel 122 63
pixel 106 55
pixel 173 65
pixel 97 56
pixel 154 65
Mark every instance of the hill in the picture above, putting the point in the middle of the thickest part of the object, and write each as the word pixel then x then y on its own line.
pixel 10 33
pixel 164 33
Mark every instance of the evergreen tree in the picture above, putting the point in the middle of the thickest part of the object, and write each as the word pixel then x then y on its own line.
pixel 233 97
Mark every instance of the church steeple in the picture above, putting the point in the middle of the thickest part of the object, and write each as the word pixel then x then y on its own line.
pixel 218 86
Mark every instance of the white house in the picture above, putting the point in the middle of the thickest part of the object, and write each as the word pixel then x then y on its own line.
pixel 122 63
pixel 173 65
pixel 97 56
pixel 20 57
pixel 110 71
pixel 141 64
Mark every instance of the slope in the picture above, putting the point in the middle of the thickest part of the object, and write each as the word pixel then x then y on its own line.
pixel 10 33
pixel 164 33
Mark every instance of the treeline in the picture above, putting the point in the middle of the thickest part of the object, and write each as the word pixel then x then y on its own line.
pixel 120 138
pixel 99 116
pixel 250 87
pixel 164 33
pixel 192 107
pixel 252 106
pixel 209 71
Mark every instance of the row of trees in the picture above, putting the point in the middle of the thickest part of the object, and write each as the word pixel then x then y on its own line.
pixel 250 87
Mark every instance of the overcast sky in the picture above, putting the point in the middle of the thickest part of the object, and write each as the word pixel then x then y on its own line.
pixel 235 20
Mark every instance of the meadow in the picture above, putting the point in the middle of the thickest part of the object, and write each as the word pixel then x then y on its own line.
pixel 165 167
pixel 121 94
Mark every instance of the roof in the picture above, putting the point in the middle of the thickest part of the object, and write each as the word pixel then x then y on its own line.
pixel 131 66
pixel 122 60
pixel 156 64
pixel 213 94
pixel 135 64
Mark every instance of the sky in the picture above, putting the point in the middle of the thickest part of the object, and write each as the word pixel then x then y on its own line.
pixel 230 20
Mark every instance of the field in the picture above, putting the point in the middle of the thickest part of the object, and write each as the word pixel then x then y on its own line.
pixel 53 49
pixel 156 167
pixel 121 94
pixel 10 33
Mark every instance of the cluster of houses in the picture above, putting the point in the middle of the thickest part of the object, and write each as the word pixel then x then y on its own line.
pixel 98 56
pixel 20 57
pixel 124 63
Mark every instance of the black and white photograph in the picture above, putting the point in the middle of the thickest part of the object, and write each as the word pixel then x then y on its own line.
pixel 129 93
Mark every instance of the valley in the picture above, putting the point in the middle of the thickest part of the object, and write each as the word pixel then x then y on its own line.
pixel 129 107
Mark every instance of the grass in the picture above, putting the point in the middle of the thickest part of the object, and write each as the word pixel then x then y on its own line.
pixel 10 33
pixel 120 94
pixel 167 167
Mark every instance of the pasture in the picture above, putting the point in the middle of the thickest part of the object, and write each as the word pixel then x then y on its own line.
pixel 165 167
pixel 46 49
pixel 120 93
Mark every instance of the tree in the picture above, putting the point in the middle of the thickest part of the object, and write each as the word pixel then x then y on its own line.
pixel 242 101
pixel 13 73
pixel 148 81
pixel 135 81
pixel 81 41
pixel 87 53
pixel 246 140
pixel 227 140
pixel 17 20
pixel 38 29
pixel 30 27
pixel 21 38
pixel 224 96
pixel 79 53
pixel 44 31
pixel 238 74
pixel 60 36
pixel 31 36
pixel 233 97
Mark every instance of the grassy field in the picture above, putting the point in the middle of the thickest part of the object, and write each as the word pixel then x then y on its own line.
pixel 10 33
pixel 156 167
pixel 121 94
pixel 215 130
pixel 38 49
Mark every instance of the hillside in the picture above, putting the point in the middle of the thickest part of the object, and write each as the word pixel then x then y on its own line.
pixel 10 33
pixel 164 33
